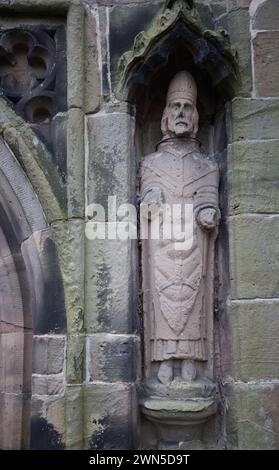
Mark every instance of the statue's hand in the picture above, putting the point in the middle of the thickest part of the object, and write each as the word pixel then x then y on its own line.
pixel 207 218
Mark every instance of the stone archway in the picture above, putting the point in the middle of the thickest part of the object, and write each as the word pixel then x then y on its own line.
pixel 20 215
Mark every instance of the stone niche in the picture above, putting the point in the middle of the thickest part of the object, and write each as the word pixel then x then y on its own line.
pixel 185 414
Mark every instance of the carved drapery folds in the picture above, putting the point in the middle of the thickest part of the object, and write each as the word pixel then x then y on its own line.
pixel 32 73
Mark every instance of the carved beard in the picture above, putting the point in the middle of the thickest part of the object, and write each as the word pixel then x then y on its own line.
pixel 170 128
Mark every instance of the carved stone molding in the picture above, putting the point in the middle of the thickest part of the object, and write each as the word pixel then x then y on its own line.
pixel 179 21
pixel 31 73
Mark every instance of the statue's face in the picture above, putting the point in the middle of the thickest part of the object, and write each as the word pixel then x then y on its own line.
pixel 180 117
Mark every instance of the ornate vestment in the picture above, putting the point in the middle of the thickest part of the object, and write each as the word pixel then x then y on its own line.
pixel 178 284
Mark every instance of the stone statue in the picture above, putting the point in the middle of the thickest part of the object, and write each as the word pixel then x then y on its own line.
pixel 178 283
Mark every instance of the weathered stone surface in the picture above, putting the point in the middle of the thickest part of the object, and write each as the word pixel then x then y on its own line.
pixel 111 160
pixel 235 4
pixel 11 296
pixel 254 118
pixel 48 423
pixel 252 418
pixel 113 358
pixel 207 15
pixel 136 18
pixel 266 60
pixel 16 179
pixel 110 264
pixel 92 84
pixel 69 239
pixel 125 2
pixel 75 357
pixel 218 8
pixel 110 288
pixel 44 275
pixel 12 362
pixel 255 331
pixel 239 29
pixel 74 417
pixel 110 412
pixel 11 418
pixel 265 14
pixel 47 384
pixel 59 125
pixel 36 161
pixel 254 256
pixel 55 414
pixel 48 354
pixel 38 5
pixel 253 172
pixel 75 55
pixel 75 163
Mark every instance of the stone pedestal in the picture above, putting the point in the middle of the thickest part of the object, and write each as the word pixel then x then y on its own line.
pixel 179 411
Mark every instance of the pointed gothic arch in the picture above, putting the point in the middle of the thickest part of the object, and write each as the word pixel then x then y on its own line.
pixel 23 287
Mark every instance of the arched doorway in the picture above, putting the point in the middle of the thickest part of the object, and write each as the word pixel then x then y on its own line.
pixel 20 215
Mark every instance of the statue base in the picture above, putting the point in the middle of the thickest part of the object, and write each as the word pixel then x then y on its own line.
pixel 179 411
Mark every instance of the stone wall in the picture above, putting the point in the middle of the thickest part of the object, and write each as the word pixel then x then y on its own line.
pixel 86 376
pixel 252 421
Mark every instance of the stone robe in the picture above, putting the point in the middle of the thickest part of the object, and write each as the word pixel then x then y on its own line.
pixel 178 284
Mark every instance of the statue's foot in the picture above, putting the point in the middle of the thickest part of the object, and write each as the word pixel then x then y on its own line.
pixel 165 372
pixel 188 370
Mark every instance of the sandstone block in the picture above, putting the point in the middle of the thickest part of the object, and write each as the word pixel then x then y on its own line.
pixel 255 333
pixel 113 358
pixel 265 14
pixel 110 292
pixel 110 411
pixel 266 60
pixel 252 418
pixel 253 172
pixel 254 119
pixel 48 354
pixel 239 29
pixel 254 256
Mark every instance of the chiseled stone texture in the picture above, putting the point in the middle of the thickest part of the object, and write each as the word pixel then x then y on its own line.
pixel 239 30
pixel 255 331
pixel 253 173
pixel 111 162
pixel 265 14
pixel 75 359
pixel 48 354
pixel 47 384
pixel 113 358
pixel 254 256
pixel 110 294
pixel 74 417
pixel 136 18
pixel 252 119
pixel 92 85
pixel 75 163
pixel 14 375
pixel 42 262
pixel 69 240
pixel 110 412
pixel 253 416
pixel 266 60
pixel 11 409
pixel 48 423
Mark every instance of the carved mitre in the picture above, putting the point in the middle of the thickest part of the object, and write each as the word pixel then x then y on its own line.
pixel 182 86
